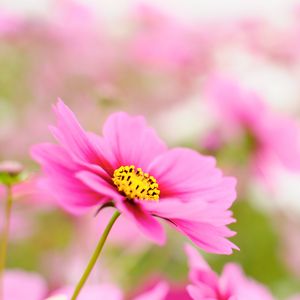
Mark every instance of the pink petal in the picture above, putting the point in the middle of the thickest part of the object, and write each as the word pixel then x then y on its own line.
pixel 289 132
pixel 207 236
pixel 103 291
pixel 232 277
pixel 195 260
pixel 60 179
pixel 72 137
pixel 200 271
pixel 236 106
pixel 195 210
pixel 185 174
pixel 131 141
pixel 99 185
pixel 200 292
pixel 159 292
pixel 235 282
pixel 147 224
pixel 205 224
pixel 241 109
pixel 53 158
pixel 19 283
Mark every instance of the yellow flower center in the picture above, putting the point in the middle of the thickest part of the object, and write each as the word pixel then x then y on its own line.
pixel 134 183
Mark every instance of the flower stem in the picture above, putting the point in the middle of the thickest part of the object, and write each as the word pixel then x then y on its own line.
pixel 95 256
pixel 5 235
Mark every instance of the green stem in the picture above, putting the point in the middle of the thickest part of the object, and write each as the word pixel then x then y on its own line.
pixel 5 235
pixel 95 256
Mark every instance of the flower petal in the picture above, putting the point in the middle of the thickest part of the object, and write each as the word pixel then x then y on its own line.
pixel 18 283
pixel 185 174
pixel 131 141
pixel 207 236
pixel 159 292
pixel 60 180
pixel 73 138
pixel 99 185
pixel 196 261
pixel 203 223
pixel 104 291
pixel 147 223
pixel 200 271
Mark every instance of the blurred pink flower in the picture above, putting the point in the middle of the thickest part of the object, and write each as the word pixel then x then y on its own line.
pixel 111 292
pixel 165 55
pixel 74 34
pixel 90 292
pixel 166 43
pixel 158 292
pixel 18 284
pixel 177 293
pixel 232 284
pixel 273 139
pixel 160 289
pixel 29 192
pixel 9 24
pixel 25 194
pixel 264 39
pixel 185 188
pixel 212 141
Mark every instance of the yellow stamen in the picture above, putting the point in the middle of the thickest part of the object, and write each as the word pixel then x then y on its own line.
pixel 135 183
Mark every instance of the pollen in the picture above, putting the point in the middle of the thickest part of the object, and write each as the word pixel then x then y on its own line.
pixel 136 184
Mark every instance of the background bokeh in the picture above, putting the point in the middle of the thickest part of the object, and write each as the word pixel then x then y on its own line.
pixel 152 58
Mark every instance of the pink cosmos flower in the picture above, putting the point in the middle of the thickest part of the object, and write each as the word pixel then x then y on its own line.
pixel 273 139
pixel 131 168
pixel 232 284
pixel 19 283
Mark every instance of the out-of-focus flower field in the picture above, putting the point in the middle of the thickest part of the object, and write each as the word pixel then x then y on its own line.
pixel 218 101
